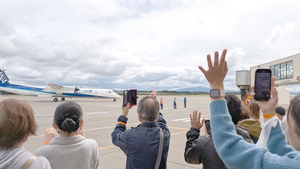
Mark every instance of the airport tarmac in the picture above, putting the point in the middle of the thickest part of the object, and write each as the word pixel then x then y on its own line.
pixel 100 118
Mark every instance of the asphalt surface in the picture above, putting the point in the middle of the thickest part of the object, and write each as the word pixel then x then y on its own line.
pixel 100 118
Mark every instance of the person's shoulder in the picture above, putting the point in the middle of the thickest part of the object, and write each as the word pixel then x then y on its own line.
pixel 203 140
pixel 42 149
pixel 90 141
pixel 40 162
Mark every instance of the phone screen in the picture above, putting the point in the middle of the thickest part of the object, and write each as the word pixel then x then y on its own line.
pixel 133 96
pixel 262 84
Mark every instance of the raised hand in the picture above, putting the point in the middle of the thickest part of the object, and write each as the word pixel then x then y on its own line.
pixel 216 72
pixel 49 134
pixel 195 120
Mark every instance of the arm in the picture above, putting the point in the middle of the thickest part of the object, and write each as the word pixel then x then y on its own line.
pixel 277 137
pixel 193 150
pixel 118 135
pixel 192 154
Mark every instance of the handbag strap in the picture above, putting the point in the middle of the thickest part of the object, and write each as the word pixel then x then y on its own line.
pixel 29 162
pixel 160 148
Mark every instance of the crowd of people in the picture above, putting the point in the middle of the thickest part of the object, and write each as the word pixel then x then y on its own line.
pixel 234 136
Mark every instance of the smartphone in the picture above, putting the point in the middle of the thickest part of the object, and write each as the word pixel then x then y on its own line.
pixel 207 126
pixel 130 96
pixel 262 84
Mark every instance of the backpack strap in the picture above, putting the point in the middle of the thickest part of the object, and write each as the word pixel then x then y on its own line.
pixel 160 148
pixel 29 162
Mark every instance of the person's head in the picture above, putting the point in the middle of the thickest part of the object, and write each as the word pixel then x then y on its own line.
pixel 68 117
pixel 293 121
pixel 280 112
pixel 234 107
pixel 245 114
pixel 148 109
pixel 16 123
pixel 254 109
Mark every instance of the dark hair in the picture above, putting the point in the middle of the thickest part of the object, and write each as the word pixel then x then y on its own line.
pixel 67 116
pixel 234 107
pixel 280 110
pixel 294 111
pixel 16 122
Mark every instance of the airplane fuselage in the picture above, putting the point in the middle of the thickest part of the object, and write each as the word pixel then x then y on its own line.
pixel 65 92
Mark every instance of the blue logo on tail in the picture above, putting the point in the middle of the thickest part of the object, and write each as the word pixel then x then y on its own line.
pixel 3 77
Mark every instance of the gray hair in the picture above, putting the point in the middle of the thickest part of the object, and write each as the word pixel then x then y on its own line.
pixel 148 108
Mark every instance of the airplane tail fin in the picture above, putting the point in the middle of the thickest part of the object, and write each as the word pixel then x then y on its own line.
pixel 3 78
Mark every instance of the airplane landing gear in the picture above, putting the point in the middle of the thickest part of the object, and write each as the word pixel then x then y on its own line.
pixel 114 100
pixel 63 99
pixel 55 99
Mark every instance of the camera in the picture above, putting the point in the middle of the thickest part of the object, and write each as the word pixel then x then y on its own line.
pixel 130 96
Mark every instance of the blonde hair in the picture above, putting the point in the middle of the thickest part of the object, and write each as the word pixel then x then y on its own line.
pixel 255 110
pixel 16 122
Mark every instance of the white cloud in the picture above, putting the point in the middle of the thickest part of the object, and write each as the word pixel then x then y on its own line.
pixel 279 32
pixel 141 43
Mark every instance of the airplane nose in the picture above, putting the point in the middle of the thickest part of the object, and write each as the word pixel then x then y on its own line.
pixel 117 96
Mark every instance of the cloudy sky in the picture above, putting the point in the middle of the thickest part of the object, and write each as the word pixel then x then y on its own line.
pixel 143 44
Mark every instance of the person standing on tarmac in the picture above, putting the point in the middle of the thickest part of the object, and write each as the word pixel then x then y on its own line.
pixel 175 102
pixel 184 102
pixel 161 103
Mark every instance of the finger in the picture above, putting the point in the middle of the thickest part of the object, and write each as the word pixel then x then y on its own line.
pixel 209 62
pixel 222 60
pixel 216 59
pixel 272 82
pixel 194 114
pixel 252 93
pixel 202 70
pixel 199 116
pixel 225 66
pixel 202 121
pixel 191 117
pixel 274 93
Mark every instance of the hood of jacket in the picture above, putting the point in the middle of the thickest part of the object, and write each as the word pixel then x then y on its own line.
pixel 242 131
pixel 253 126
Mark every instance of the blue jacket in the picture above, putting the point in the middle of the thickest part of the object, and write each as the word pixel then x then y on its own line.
pixel 140 144
pixel 237 153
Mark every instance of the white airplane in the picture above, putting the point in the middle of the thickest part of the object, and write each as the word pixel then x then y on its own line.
pixel 55 91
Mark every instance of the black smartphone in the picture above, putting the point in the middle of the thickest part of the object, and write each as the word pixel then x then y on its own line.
pixel 262 84
pixel 130 96
pixel 207 126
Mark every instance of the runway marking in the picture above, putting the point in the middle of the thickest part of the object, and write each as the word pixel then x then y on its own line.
pixel 184 119
pixel 102 148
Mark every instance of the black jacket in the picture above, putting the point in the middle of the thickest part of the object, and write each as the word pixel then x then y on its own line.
pixel 202 150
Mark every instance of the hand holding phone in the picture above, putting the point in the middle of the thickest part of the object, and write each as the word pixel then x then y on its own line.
pixel 130 96
pixel 262 84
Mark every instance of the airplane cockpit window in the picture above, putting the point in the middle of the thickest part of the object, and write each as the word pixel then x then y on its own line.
pixel 109 91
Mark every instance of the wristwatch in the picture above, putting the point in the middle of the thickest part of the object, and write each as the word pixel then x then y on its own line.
pixel 215 93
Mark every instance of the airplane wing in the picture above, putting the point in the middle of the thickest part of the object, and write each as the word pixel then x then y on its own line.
pixel 54 86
